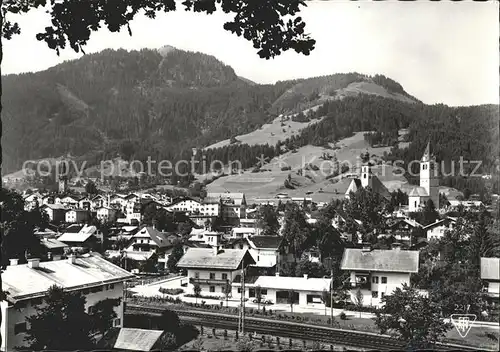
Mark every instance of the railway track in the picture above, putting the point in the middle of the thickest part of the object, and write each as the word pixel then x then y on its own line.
pixel 364 340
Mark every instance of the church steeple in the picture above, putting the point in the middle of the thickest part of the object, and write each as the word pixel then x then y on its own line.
pixel 427 153
pixel 429 177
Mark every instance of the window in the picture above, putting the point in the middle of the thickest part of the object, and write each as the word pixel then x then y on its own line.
pixel 251 292
pixel 196 275
pixel 241 246
pixel 384 279
pixel 224 276
pixel 239 289
pixel 111 286
pixel 374 294
pixel 222 289
pixel 375 280
pixel 212 289
pixel 19 328
pixel 382 294
pixel 263 291
pixel 117 322
pixel 212 276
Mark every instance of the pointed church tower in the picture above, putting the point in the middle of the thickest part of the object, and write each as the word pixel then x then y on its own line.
pixel 429 175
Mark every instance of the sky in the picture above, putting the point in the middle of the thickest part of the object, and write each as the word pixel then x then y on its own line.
pixel 440 52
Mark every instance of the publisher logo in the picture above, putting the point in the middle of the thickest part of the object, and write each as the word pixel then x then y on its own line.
pixel 463 323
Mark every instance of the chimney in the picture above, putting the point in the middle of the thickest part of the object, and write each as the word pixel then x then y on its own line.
pixel 215 249
pixel 33 263
pixel 13 261
pixel 277 273
pixel 305 276
pixel 71 258
pixel 367 247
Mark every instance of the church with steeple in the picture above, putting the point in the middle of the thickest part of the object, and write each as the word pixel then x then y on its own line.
pixel 429 183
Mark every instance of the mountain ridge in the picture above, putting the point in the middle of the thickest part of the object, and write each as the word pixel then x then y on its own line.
pixel 156 102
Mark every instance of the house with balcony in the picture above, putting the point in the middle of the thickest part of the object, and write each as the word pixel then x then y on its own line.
pixel 490 274
pixel 402 229
pixel 150 240
pixel 25 286
pixel 214 268
pixel 378 272
pixel 53 249
pixel 437 229
pixel 189 205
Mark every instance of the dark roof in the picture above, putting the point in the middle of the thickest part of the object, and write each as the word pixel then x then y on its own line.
pixel 266 241
pixel 378 187
pixel 202 258
pixel 380 260
pixel 162 239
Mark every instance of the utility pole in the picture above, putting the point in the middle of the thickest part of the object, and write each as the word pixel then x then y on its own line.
pixel 331 294
pixel 243 296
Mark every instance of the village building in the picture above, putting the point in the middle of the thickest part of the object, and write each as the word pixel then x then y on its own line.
pixel 490 274
pixel 107 214
pixel 378 272
pixel 305 291
pixel 214 268
pixel 53 249
pixel 429 183
pixel 437 229
pixel 77 215
pixel 367 179
pixel 25 286
pixel 88 238
pixel 56 212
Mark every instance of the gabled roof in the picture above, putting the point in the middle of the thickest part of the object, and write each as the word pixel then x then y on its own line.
pixel 271 242
pixel 80 236
pixel 410 222
pixel 160 238
pixel 137 339
pixel 380 260
pixel 229 259
pixel 418 192
pixel 52 243
pixel 441 222
pixel 22 282
pixel 490 269
pixel 54 206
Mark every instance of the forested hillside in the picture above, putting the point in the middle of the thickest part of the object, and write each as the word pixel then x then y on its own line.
pixel 161 103
pixel 142 102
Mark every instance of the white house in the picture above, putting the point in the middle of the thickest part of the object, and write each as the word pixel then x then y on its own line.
pixel 306 291
pixel 264 250
pixel 378 272
pixel 207 237
pixel 188 205
pixel 107 214
pixel 69 201
pixel 76 215
pixel 26 285
pixel 243 232
pixel 437 229
pixel 214 268
pixel 490 274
